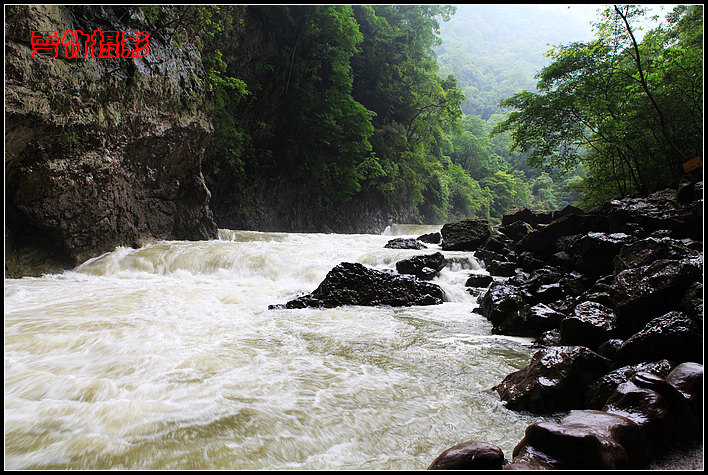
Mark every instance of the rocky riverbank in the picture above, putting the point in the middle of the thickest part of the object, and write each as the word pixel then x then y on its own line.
pixel 614 298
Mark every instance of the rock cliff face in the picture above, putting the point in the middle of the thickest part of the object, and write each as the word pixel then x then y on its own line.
pixel 99 152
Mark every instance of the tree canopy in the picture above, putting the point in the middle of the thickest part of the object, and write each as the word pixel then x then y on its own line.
pixel 629 110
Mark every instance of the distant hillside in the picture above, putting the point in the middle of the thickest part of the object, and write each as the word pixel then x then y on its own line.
pixel 495 51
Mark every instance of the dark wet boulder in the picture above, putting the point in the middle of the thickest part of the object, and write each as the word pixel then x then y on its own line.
pixel 585 439
pixel 541 285
pixel 479 280
pixel 601 390
pixel 688 379
pixel 430 238
pixel 643 293
pixel 597 251
pixel 487 257
pixel 533 218
pixel 673 336
pixel 356 284
pixel 658 407
pixel 545 239
pixel 424 267
pixel 568 210
pixel 590 324
pixel 549 338
pixel 544 318
pixel 556 379
pixel 404 243
pixel 502 269
pixel 609 348
pixel 692 302
pixel 498 243
pixel 531 261
pixel 516 230
pixel 465 235
pixel 509 314
pixel 469 456
pixel 658 211
pixel 646 251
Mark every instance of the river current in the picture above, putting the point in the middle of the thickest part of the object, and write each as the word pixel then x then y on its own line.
pixel 167 357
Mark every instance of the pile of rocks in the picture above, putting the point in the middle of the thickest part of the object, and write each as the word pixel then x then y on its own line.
pixel 614 299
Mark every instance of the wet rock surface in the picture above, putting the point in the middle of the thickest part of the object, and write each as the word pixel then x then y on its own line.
pixel 466 235
pixel 614 298
pixel 556 379
pixel 356 284
pixel 469 456
pixel 404 243
pixel 424 267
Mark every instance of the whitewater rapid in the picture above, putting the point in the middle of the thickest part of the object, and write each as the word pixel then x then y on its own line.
pixel 167 357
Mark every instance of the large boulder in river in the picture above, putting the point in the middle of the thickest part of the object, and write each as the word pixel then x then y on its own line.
pixel 545 240
pixel 525 215
pixel 644 416
pixel 646 251
pixel 603 388
pixel 465 235
pixel 590 324
pixel 503 305
pixel 688 379
pixel 355 284
pixel 597 251
pixel 556 379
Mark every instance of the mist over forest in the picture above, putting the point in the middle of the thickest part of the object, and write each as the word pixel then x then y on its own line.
pixel 497 51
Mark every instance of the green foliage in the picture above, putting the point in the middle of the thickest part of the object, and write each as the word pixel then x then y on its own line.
pixel 628 111
pixel 349 102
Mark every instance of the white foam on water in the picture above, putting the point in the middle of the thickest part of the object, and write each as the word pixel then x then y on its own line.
pixel 167 357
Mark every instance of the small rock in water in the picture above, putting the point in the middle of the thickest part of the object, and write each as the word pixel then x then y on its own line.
pixel 404 243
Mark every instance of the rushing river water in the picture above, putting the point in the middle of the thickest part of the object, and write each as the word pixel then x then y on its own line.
pixel 167 357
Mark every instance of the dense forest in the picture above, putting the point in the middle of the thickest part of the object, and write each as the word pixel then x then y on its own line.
pixel 351 104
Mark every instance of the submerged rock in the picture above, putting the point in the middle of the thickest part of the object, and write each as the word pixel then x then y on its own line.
pixel 355 284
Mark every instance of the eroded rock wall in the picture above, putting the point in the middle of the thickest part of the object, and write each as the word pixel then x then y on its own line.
pixel 100 152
